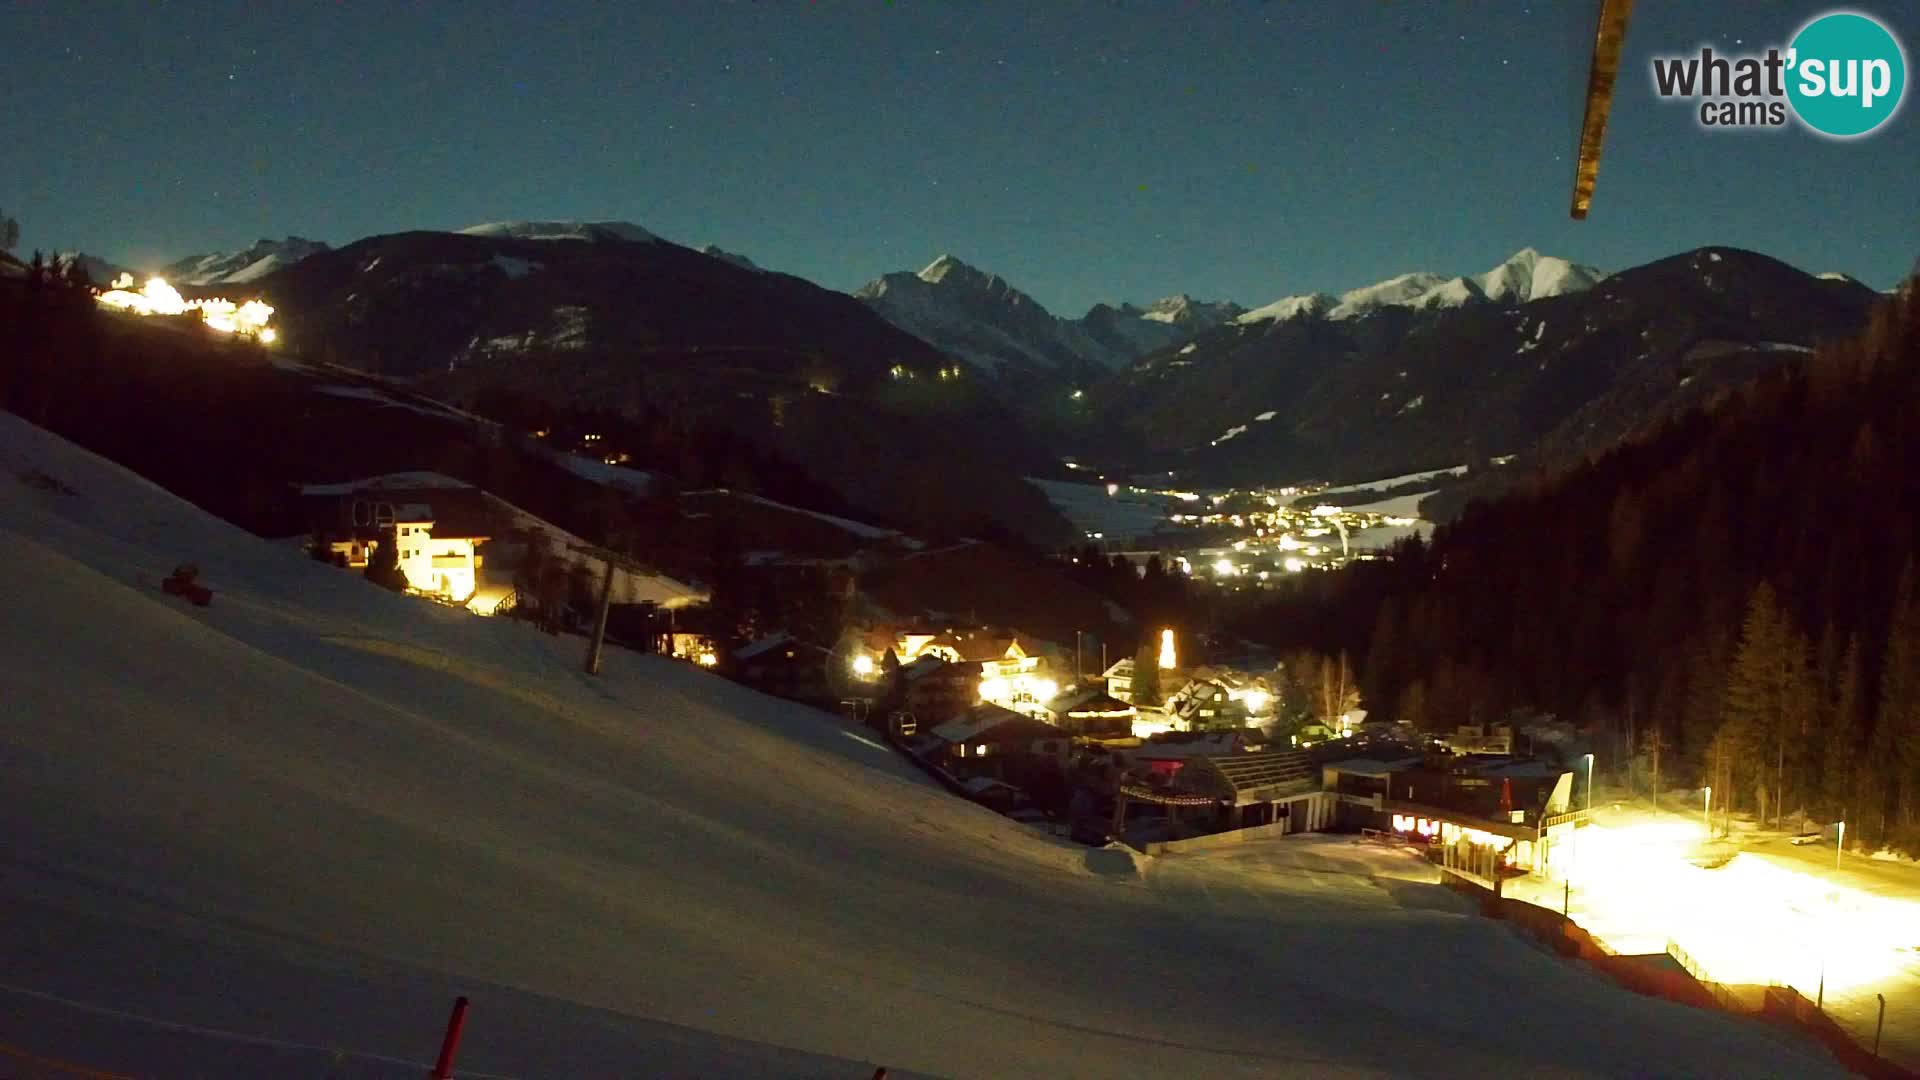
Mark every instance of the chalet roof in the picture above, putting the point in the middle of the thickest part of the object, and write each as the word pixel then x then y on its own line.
pixel 764 645
pixel 1121 669
pixel 1231 678
pixel 929 665
pixel 982 645
pixel 1089 700
pixel 1251 778
pixel 388 483
pixel 981 785
pixel 455 509
pixel 989 717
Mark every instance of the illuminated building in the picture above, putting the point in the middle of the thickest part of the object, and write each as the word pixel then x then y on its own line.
pixel 1496 811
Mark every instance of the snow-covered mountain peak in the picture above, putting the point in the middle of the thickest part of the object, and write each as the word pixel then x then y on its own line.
pixel 1290 307
pixel 563 230
pixel 1453 293
pixel 737 259
pixel 949 270
pixel 1396 291
pixel 239 267
pixel 1528 275
pixel 1525 275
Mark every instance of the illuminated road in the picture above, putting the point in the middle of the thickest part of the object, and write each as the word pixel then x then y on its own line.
pixel 1753 911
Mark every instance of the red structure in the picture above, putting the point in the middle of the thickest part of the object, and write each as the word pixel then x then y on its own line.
pixel 443 1067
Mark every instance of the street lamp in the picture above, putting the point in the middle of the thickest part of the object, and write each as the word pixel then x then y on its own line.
pixel 1839 844
pixel 1589 785
pixel 1706 809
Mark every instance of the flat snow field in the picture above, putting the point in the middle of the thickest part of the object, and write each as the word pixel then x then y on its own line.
pixel 276 836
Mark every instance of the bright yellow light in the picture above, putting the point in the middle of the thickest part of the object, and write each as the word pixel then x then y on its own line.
pixel 1288 543
pixel 1293 566
pixel 993 689
pixel 1327 511
pixel 1045 690
pixel 157 297
pixel 707 659
pixel 863 665
pixel 1167 659
pixel 1750 921
pixel 1256 700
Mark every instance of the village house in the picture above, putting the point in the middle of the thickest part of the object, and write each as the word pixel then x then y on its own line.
pixel 438 527
pixel 459 543
pixel 993 742
pixel 1119 680
pixel 1006 667
pixel 784 666
pixel 1089 712
pixel 989 730
pixel 935 691
pixel 1216 698
pixel 1501 811
pixel 697 635
pixel 1269 787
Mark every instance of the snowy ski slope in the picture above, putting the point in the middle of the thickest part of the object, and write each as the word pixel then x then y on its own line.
pixel 293 825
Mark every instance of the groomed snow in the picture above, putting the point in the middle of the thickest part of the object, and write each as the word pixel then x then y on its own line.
pixel 311 813
pixel 870 532
pixel 1391 481
pixel 1398 506
pixel 631 481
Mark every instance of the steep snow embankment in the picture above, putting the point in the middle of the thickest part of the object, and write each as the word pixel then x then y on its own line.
pixel 314 811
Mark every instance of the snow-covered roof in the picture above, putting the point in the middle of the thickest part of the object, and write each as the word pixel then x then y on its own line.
pixel 619 477
pixel 400 481
pixel 922 667
pixel 980 785
pixel 978 721
pixel 1088 699
pixel 764 645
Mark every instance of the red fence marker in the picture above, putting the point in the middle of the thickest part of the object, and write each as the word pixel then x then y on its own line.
pixel 443 1068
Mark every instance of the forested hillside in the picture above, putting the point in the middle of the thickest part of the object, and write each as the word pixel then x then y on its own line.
pixel 1732 597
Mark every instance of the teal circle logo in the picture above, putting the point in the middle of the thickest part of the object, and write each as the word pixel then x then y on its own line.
pixel 1846 74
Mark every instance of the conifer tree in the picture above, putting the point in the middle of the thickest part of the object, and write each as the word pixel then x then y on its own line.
pixel 1841 740
pixel 1146 675
pixel 1897 728
pixel 383 569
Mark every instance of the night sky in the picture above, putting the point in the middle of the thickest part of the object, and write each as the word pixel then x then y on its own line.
pixel 1085 152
